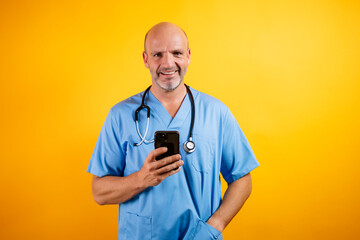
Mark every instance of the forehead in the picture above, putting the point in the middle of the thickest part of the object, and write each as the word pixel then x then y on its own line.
pixel 166 40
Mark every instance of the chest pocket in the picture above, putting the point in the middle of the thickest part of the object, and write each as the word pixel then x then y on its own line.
pixel 135 157
pixel 202 159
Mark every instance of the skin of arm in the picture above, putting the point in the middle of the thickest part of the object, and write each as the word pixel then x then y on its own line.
pixel 234 198
pixel 116 190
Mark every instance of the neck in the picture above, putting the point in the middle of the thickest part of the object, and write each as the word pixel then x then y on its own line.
pixel 171 100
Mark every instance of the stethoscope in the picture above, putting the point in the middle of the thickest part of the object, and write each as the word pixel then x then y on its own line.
pixel 189 146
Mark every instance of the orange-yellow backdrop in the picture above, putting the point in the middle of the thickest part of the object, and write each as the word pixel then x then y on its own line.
pixel 288 70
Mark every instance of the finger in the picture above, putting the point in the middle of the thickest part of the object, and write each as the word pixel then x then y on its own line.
pixel 171 172
pixel 170 167
pixel 165 161
pixel 154 153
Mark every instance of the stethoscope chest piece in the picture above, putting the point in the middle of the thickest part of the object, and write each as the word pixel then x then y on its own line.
pixel 189 146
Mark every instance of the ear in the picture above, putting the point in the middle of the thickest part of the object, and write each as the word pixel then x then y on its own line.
pixel 189 54
pixel 145 58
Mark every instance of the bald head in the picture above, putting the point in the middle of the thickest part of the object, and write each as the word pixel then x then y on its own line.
pixel 167 56
pixel 164 28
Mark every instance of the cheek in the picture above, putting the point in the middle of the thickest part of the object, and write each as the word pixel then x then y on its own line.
pixel 154 67
pixel 182 63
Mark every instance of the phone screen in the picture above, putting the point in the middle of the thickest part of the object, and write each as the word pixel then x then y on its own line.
pixel 169 139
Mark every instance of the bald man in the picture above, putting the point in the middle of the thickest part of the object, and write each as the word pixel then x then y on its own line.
pixel 179 196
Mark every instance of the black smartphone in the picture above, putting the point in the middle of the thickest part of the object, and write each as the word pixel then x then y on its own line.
pixel 169 139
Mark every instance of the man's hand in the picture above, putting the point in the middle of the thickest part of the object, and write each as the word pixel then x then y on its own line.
pixel 235 196
pixel 116 190
pixel 153 172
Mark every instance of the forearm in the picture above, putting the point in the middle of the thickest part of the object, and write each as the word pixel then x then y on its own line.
pixel 234 198
pixel 116 190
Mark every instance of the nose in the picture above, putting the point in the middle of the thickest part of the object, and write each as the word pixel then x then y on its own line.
pixel 168 61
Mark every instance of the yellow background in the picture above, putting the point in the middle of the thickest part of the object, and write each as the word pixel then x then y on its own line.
pixel 288 70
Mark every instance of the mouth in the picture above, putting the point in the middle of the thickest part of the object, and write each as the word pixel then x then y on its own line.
pixel 168 74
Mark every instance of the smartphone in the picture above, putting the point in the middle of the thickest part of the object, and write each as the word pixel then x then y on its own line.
pixel 169 139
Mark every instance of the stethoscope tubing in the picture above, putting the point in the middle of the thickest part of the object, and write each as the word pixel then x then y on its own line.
pixel 143 105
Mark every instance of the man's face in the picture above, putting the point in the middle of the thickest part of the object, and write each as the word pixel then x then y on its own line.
pixel 167 57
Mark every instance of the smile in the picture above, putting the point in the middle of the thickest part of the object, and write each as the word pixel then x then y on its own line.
pixel 169 74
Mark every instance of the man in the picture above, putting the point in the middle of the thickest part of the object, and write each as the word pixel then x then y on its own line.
pixel 178 197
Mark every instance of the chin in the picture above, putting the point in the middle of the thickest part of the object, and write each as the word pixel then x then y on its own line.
pixel 169 86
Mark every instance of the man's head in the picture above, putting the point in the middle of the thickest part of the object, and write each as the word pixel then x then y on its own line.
pixel 166 55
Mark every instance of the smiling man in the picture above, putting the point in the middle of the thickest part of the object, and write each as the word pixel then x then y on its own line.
pixel 167 55
pixel 177 197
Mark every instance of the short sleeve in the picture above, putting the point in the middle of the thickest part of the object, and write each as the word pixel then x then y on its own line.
pixel 238 159
pixel 108 157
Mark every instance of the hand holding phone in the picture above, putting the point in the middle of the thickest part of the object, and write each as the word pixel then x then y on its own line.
pixel 153 172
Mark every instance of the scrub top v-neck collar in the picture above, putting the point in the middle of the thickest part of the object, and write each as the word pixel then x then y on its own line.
pixel 169 122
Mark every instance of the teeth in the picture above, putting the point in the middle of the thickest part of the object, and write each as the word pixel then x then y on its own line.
pixel 168 73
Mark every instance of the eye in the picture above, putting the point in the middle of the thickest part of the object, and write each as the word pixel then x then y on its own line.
pixel 157 55
pixel 177 53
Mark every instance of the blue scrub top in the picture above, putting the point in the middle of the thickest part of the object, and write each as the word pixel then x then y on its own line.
pixel 179 206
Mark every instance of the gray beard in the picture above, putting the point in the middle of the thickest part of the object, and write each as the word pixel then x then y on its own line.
pixel 168 87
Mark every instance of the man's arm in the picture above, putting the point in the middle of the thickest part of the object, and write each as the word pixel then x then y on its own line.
pixel 234 198
pixel 116 190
